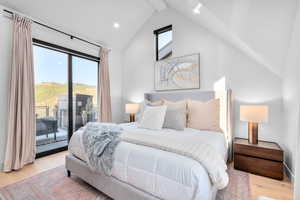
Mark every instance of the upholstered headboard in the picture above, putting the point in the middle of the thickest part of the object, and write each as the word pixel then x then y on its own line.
pixel 225 106
pixel 177 96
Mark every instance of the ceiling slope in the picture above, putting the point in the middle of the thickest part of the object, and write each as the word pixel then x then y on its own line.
pixel 158 5
pixel 208 20
pixel 91 19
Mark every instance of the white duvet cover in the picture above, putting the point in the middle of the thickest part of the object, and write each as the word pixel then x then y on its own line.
pixel 163 174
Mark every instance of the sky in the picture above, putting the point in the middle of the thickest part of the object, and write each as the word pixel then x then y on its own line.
pixel 52 66
pixel 164 38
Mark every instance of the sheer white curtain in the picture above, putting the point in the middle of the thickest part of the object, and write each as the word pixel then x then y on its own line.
pixel 104 99
pixel 20 146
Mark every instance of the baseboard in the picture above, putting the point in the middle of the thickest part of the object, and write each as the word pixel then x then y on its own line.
pixel 289 172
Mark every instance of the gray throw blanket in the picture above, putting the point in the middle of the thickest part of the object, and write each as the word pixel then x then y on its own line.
pixel 99 142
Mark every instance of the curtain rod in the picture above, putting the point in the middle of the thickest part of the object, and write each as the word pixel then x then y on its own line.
pixel 57 30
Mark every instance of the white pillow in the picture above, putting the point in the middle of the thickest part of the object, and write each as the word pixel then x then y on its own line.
pixel 143 105
pixel 153 117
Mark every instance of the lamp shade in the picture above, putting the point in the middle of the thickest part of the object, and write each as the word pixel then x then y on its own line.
pixel 132 108
pixel 254 113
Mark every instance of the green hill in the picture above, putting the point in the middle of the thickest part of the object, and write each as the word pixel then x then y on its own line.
pixel 47 94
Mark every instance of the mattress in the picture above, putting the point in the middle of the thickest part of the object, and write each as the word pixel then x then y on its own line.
pixel 163 174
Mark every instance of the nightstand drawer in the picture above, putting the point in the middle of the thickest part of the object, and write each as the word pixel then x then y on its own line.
pixel 255 151
pixel 272 169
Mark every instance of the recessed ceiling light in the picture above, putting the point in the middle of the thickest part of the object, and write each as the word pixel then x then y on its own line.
pixel 197 8
pixel 116 25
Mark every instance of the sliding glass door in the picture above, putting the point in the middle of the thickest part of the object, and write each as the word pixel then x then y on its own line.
pixel 51 99
pixel 84 91
pixel 65 95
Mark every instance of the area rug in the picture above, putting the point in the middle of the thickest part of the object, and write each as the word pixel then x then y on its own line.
pixel 55 185
pixel 238 187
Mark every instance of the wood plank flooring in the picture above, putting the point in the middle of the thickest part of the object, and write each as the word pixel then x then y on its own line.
pixel 260 186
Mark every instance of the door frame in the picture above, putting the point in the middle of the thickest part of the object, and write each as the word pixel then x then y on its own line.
pixel 70 53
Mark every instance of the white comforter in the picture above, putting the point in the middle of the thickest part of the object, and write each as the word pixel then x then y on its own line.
pixel 163 174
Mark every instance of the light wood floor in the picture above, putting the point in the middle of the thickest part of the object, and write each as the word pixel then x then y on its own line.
pixel 40 165
pixel 260 186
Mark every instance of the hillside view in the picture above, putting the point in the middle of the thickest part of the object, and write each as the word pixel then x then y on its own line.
pixel 47 93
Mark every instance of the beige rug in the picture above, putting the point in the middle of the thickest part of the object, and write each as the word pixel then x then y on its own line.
pixel 55 185
pixel 238 188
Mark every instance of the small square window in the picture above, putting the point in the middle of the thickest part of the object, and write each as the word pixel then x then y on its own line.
pixel 164 39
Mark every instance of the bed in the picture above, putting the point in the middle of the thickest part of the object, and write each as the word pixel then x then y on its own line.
pixel 141 172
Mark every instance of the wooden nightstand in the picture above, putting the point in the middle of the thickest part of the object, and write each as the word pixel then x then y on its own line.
pixel 264 158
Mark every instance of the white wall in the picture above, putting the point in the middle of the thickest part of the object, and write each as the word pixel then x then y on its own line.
pixel 47 35
pixel 116 78
pixel 259 23
pixel 291 96
pixel 265 25
pixel 250 82
pixel 269 27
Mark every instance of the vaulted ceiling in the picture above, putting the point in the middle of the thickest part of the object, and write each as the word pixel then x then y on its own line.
pixel 259 28
pixel 244 24
pixel 92 19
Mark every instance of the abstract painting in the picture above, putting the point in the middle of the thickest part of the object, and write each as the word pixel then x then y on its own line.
pixel 178 73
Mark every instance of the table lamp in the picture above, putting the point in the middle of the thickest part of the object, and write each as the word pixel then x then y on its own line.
pixel 132 109
pixel 253 114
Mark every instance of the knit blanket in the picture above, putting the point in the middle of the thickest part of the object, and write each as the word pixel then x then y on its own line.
pixel 99 142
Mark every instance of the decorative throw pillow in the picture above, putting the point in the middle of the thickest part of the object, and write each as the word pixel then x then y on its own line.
pixel 204 115
pixel 182 103
pixel 153 117
pixel 175 116
pixel 145 103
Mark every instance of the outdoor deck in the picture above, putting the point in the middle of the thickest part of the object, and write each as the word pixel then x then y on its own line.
pixel 44 143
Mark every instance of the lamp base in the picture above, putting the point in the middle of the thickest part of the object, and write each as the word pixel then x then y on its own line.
pixel 252 133
pixel 132 118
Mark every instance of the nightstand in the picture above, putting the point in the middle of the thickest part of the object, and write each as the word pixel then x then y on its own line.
pixel 264 158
